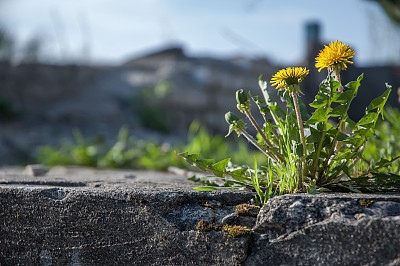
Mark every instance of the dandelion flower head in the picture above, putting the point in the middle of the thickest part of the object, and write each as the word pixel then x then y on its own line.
pixel 289 78
pixel 335 55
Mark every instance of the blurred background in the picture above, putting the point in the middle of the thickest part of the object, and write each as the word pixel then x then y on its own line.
pixel 79 70
pixel 110 32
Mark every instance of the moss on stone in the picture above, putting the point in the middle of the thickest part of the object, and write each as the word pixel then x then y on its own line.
pixel 204 226
pixel 237 230
pixel 366 203
pixel 246 210
pixel 232 230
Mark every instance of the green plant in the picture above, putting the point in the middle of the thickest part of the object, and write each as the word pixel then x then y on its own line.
pixel 305 152
pixel 216 146
pixel 80 153
pixel 147 106
pixel 130 152
pixel 126 152
pixel 385 143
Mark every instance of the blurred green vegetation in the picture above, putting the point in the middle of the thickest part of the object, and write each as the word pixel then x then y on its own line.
pixel 148 108
pixel 385 143
pixel 131 152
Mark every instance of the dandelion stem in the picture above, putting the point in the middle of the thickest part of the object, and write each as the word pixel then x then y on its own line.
pixel 328 158
pixel 276 136
pixel 257 127
pixel 267 152
pixel 342 128
pixel 315 165
pixel 302 138
pixel 336 75
pixel 269 144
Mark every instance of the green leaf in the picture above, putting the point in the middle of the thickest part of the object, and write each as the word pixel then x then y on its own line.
pixel 263 86
pixel 342 136
pixel 368 118
pixel 355 141
pixel 340 110
pixel 299 149
pixel 239 172
pixel 277 109
pixel 370 125
pixel 240 179
pixel 320 100
pixel 335 85
pixel 271 104
pixel 362 134
pixel 211 188
pixel 219 167
pixel 342 156
pixel 344 97
pixel 355 84
pixel 203 164
pixel 264 110
pixel 205 188
pixel 318 116
pixel 332 132
pixel 262 83
pixel 380 101
pixel 315 136
pixel 350 123
pixel 374 182
pixel 303 110
pixel 385 163
pixel 192 157
pixel 335 171
pixel 327 90
pixel 346 171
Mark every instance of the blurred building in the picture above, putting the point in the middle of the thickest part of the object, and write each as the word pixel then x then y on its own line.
pixel 41 104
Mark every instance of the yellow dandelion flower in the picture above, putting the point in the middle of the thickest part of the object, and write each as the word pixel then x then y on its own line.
pixel 336 54
pixel 289 78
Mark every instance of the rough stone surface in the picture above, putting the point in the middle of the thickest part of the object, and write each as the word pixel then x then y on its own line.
pixel 84 216
pixel 328 229
pixel 117 225
pixel 114 223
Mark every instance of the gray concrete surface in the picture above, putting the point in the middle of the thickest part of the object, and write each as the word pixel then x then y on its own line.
pixel 85 176
pixel 84 216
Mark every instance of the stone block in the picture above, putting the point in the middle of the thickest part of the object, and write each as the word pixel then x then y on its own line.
pixel 328 229
pixel 84 216
pixel 115 226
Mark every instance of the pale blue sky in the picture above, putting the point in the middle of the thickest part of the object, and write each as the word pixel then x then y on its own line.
pixel 113 31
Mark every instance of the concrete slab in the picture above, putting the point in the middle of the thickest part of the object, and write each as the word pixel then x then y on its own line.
pixel 86 216
pixel 70 176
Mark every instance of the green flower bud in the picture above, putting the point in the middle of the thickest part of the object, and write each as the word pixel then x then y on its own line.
pixel 231 118
pixel 243 103
pixel 235 124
